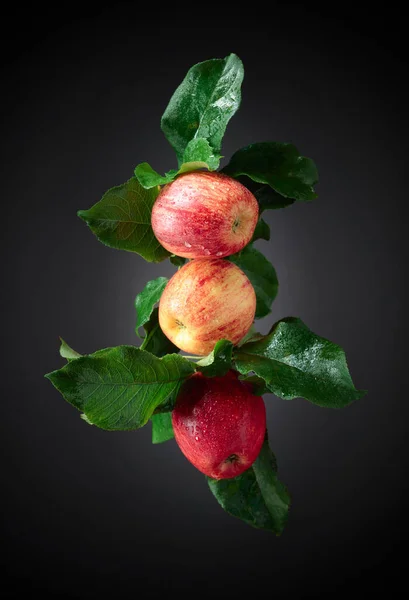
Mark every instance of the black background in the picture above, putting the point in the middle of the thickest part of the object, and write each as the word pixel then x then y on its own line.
pixel 87 512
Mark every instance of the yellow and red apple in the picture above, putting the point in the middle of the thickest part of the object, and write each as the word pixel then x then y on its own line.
pixel 205 301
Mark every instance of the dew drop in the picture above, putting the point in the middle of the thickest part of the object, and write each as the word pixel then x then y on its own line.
pixel 197 438
pixel 207 252
pixel 219 253
pixel 188 245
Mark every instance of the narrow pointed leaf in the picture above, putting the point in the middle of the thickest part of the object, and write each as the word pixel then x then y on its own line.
pixel 67 352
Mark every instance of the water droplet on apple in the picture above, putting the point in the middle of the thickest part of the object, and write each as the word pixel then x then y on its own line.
pixel 219 253
pixel 188 245
pixel 197 438
pixel 207 252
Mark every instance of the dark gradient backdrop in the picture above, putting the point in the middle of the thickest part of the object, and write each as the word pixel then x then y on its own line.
pixel 88 512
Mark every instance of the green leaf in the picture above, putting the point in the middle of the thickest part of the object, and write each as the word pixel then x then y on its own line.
pixel 218 362
pixel 296 363
pixel 188 167
pixel 145 301
pixel 203 104
pixel 257 497
pixel 198 152
pixel 258 385
pixel 250 336
pixel 198 155
pixel 261 232
pixel 67 352
pixel 262 276
pixel 278 165
pixel 178 261
pixel 122 220
pixel 162 429
pixel 149 178
pixel 119 388
pixel 155 341
pixel 269 199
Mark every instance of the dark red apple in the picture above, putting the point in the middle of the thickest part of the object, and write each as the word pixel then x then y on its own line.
pixel 204 214
pixel 219 424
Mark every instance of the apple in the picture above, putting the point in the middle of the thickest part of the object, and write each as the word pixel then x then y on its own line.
pixel 219 424
pixel 205 301
pixel 204 214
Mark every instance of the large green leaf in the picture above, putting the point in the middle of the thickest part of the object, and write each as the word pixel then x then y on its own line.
pixel 278 165
pixel 119 388
pixel 218 362
pixel 296 363
pixel 122 220
pixel 146 299
pixel 162 429
pixel 203 104
pixel 262 276
pixel 257 496
pixel 155 341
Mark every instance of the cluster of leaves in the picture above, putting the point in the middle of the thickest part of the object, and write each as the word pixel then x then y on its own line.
pixel 125 387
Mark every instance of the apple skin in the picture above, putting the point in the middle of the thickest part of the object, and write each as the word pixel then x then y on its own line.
pixel 219 424
pixel 206 300
pixel 204 214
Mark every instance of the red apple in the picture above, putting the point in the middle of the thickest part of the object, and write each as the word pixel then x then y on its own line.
pixel 219 424
pixel 205 301
pixel 204 214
